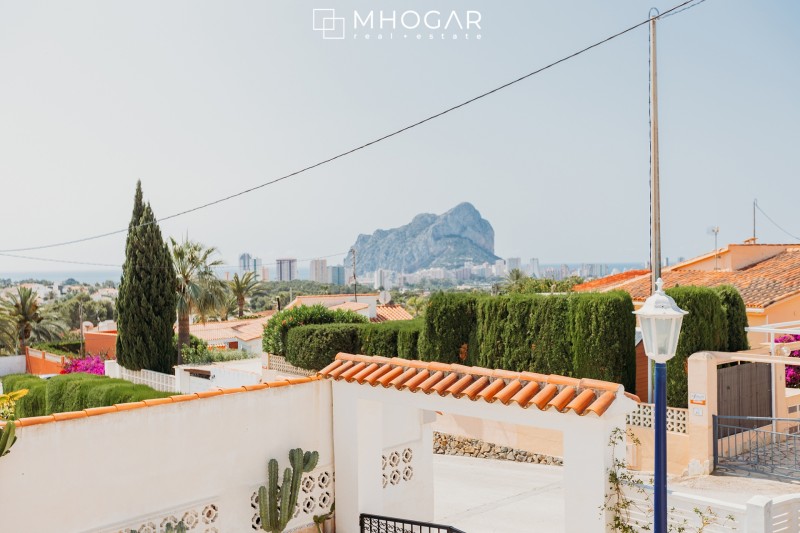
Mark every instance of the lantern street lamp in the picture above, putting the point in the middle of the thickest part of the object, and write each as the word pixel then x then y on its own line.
pixel 660 320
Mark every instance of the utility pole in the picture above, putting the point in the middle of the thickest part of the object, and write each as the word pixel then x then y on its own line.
pixel 655 202
pixel 355 276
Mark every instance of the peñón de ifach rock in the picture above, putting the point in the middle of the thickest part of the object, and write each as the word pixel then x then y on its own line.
pixel 429 241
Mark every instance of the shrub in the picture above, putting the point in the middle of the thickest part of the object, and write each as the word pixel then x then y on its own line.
pixel 277 328
pixel 74 392
pixel 602 328
pixel 450 328
pixel 91 364
pixel 314 347
pixel 736 317
pixel 384 338
pixel 704 328
pixel 67 348
pixel 201 355
pixel 408 339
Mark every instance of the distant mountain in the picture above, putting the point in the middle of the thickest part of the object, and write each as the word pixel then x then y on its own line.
pixel 429 241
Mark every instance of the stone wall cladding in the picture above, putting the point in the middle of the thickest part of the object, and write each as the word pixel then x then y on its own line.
pixel 447 444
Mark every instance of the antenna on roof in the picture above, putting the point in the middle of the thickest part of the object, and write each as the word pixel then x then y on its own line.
pixel 714 230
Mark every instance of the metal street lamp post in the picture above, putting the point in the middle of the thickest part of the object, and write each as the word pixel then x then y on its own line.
pixel 660 319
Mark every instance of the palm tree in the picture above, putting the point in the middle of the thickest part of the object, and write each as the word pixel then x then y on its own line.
pixel 515 279
pixel 245 287
pixel 8 335
pixel 199 290
pixel 26 321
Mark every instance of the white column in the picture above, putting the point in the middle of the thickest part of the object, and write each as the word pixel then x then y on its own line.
pixel 357 435
pixel 759 515
pixel 587 459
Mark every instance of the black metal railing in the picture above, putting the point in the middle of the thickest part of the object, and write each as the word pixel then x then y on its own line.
pixel 758 445
pixel 371 523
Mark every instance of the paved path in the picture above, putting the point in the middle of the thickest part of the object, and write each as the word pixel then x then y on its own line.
pixel 490 496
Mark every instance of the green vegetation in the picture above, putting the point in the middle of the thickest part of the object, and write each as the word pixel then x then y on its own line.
pixel 384 338
pixel 243 288
pixel 147 299
pixel 23 321
pixel 274 292
pixel 276 330
pixel 314 347
pixel 69 309
pixel 449 330
pixel 73 392
pixel 199 291
pixel 522 284
pixel 408 340
pixel 736 317
pixel 276 503
pixel 68 348
pixel 7 438
pixel 704 328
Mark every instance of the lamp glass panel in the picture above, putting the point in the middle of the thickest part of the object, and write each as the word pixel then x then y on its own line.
pixel 663 336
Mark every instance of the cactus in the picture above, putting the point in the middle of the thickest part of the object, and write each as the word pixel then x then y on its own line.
pixel 179 528
pixel 276 503
pixel 7 438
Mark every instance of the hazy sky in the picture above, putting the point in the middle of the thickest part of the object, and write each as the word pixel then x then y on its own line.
pixel 201 99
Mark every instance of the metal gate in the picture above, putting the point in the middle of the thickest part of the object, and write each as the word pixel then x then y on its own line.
pixel 744 390
pixel 757 445
pixel 371 523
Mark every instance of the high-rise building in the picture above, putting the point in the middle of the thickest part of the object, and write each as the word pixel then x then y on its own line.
pixel 286 269
pixel 382 279
pixel 257 263
pixel 534 267
pixel 264 273
pixel 319 270
pixel 336 275
pixel 245 262
pixel 499 268
pixel 514 263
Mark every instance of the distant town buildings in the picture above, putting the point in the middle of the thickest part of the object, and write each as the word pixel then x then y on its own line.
pixel 336 275
pixel 245 262
pixel 264 273
pixel 286 269
pixel 514 263
pixel 383 279
pixel 318 270
pixel 533 268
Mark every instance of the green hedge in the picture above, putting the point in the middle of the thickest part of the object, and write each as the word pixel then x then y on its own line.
pixel 602 329
pixel 449 333
pixel 384 338
pixel 704 328
pixel 73 392
pixel 69 348
pixel 276 330
pixel 736 317
pixel 408 339
pixel 314 347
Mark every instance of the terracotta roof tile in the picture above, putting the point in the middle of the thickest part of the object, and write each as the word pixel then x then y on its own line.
pixel 96 411
pixel 390 312
pixel 760 284
pixel 559 393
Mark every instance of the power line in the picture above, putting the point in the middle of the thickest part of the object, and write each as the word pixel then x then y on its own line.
pixel 111 265
pixel 795 237
pixel 665 15
pixel 367 144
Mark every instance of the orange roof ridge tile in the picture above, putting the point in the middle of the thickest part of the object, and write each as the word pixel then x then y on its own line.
pixel 533 376
pixel 524 396
pixel 334 365
pixel 445 383
pixel 435 378
pixel 563 380
pixel 508 391
pixel 70 415
pixel 494 387
pixel 472 391
pixel 372 378
pixel 562 399
pixel 544 396
pixel 339 370
pixel 456 388
pixel 372 367
pixel 587 383
pixel 348 374
pixel 387 379
pixel 416 381
pixel 601 405
pixel 582 401
pixel 402 378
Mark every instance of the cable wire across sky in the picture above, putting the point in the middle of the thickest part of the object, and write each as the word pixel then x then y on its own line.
pixel 674 10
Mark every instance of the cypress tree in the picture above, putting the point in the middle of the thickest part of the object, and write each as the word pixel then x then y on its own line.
pixel 147 297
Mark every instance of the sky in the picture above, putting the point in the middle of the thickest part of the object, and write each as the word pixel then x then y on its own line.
pixel 202 99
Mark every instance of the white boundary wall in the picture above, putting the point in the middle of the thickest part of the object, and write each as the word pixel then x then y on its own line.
pixel 119 471
pixel 155 380
pixel 12 364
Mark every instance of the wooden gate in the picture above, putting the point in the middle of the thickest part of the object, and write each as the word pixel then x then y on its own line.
pixel 744 390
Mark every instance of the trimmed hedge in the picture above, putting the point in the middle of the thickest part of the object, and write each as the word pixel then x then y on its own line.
pixel 73 392
pixel 384 338
pixel 602 328
pixel 449 333
pixel 314 347
pixel 276 330
pixel 704 328
pixel 736 316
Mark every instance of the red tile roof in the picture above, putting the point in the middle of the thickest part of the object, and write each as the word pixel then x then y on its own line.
pixel 388 312
pixel 609 281
pixel 246 330
pixel 94 411
pixel 761 284
pixel 524 389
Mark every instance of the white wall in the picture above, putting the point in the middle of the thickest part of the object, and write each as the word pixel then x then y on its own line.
pixel 126 469
pixel 12 364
